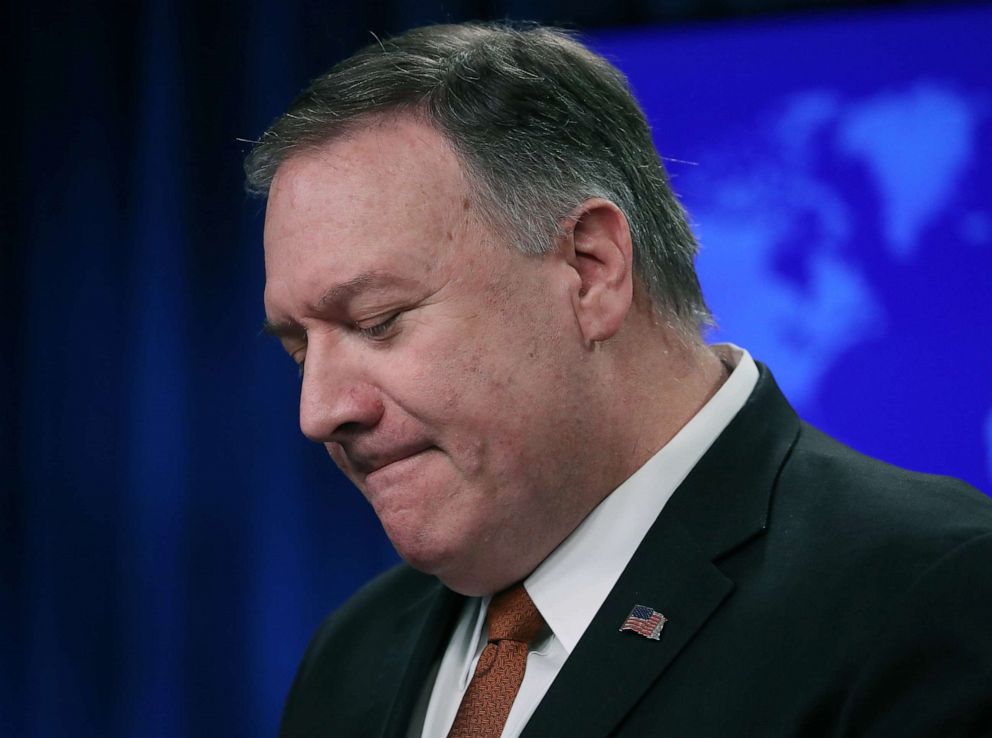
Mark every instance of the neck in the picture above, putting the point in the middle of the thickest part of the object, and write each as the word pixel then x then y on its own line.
pixel 659 383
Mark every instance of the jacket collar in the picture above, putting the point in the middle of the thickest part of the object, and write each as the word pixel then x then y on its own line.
pixel 422 629
pixel 721 505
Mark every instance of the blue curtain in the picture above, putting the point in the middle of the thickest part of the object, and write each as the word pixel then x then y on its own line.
pixel 165 558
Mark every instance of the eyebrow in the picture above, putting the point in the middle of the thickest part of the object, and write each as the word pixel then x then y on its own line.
pixel 342 292
pixel 281 328
pixel 336 295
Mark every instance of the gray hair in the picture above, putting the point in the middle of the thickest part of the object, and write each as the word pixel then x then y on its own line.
pixel 540 124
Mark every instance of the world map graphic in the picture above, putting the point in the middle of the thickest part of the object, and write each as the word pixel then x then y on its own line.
pixel 792 258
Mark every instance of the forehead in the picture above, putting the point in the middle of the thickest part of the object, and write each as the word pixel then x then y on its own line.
pixel 394 168
pixel 391 195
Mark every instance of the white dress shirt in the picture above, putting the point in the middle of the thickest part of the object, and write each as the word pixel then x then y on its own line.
pixel 570 585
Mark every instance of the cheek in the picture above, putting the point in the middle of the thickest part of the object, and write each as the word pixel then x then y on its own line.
pixel 488 380
pixel 470 397
pixel 461 365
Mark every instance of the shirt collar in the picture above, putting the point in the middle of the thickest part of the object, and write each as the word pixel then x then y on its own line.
pixel 570 585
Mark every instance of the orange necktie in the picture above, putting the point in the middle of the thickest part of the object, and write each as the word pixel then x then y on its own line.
pixel 513 622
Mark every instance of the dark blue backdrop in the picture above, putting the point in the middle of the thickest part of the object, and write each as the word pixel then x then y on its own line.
pixel 169 540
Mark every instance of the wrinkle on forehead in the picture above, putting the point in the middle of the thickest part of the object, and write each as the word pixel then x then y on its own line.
pixel 393 194
pixel 395 163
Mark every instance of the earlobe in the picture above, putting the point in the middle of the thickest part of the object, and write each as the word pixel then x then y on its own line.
pixel 599 249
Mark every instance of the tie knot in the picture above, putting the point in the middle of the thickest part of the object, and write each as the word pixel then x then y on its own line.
pixel 513 616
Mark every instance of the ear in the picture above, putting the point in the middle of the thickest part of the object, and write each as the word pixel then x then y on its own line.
pixel 598 248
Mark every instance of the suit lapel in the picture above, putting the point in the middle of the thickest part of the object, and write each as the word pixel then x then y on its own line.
pixel 421 630
pixel 609 670
pixel 720 506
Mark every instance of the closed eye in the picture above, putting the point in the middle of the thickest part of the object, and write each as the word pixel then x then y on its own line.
pixel 380 330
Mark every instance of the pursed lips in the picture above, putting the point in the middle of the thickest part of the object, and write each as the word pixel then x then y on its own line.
pixel 366 463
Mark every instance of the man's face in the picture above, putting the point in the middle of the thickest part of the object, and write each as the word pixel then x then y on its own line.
pixel 442 369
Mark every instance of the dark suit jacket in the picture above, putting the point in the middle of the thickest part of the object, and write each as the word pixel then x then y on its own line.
pixel 809 591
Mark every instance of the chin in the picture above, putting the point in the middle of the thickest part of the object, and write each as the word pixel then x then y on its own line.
pixel 452 559
pixel 467 569
pixel 418 547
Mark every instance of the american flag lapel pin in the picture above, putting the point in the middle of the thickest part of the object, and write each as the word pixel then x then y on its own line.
pixel 645 622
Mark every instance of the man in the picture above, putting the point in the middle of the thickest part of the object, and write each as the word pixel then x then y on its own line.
pixel 474 256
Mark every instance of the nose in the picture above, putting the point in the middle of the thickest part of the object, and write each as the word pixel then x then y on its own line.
pixel 336 401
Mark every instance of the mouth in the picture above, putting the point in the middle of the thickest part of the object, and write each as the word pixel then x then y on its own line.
pixel 377 464
pixel 396 474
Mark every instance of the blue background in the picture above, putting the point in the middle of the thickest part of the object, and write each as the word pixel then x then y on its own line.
pixel 169 541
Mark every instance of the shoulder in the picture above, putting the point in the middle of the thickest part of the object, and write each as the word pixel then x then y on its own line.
pixel 361 653
pixel 833 490
pixel 871 528
pixel 870 588
pixel 855 541
pixel 899 562
pixel 930 666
